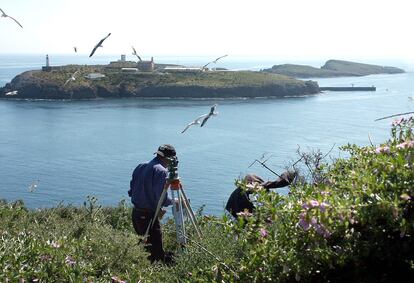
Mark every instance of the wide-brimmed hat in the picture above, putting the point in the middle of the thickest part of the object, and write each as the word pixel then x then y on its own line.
pixel 166 150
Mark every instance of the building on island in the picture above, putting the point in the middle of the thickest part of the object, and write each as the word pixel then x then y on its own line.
pixel 47 67
pixel 146 66
pixel 175 69
pixel 94 76
pixel 122 63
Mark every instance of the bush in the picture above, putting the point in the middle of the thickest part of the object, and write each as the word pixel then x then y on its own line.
pixel 354 224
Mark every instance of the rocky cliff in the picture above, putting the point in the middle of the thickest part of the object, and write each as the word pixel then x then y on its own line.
pixel 51 85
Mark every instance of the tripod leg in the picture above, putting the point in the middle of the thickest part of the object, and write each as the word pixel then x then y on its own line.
pixel 190 212
pixel 177 210
pixel 160 201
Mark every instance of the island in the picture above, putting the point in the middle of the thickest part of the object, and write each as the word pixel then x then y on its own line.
pixel 332 68
pixel 159 81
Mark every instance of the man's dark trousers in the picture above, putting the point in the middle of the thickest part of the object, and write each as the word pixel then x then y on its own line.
pixel 140 220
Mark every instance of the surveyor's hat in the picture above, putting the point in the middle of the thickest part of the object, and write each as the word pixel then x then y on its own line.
pixel 166 150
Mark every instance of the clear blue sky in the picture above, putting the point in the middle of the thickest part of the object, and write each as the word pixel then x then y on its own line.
pixel 307 28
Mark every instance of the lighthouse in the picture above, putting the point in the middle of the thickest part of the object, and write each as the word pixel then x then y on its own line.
pixel 47 68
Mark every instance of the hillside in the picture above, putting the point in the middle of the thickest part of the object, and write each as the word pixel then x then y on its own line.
pixel 223 84
pixel 332 68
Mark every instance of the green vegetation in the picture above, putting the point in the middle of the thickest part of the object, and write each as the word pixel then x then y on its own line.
pixel 348 221
pixel 332 68
pixel 117 83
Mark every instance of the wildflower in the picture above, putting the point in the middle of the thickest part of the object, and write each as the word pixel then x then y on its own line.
pixel 321 230
pixel 70 261
pixel 45 257
pixel 406 144
pixel 53 244
pixel 405 197
pixel 303 222
pixel 323 206
pixel 313 203
pixel 382 149
pixel 397 122
pixel 263 232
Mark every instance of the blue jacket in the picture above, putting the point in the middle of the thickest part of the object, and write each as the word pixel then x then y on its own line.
pixel 147 184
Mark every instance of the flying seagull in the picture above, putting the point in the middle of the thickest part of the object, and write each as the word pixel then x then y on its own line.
pixel 72 77
pixel 76 49
pixel 214 61
pixel 212 113
pixel 99 44
pixel 4 15
pixel 195 122
pixel 14 92
pixel 135 53
pixel 202 119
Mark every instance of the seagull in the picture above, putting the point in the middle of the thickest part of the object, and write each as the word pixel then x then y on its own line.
pixel 195 122
pixel 212 113
pixel 214 61
pixel 76 49
pixel 204 117
pixel 135 53
pixel 99 44
pixel 72 77
pixel 4 15
pixel 33 186
pixel 14 92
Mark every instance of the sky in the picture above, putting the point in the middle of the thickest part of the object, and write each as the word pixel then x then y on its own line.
pixel 259 28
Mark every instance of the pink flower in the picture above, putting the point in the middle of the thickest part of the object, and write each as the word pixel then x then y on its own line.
pixel 303 222
pixel 382 149
pixel 406 144
pixel 263 232
pixel 323 206
pixel 397 122
pixel 313 203
pixel 321 230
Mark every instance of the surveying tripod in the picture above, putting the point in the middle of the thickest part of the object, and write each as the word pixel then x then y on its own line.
pixel 180 203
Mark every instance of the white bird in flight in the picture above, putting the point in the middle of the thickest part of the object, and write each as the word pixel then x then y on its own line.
pixel 214 61
pixel 14 92
pixel 99 44
pixel 4 15
pixel 72 77
pixel 135 53
pixel 202 119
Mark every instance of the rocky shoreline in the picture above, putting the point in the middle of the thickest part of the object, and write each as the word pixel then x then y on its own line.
pixel 116 84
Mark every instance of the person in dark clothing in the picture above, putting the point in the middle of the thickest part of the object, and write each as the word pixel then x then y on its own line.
pixel 239 200
pixel 148 182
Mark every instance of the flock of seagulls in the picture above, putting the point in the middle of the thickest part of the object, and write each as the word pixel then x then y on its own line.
pixel 202 119
pixel 4 15
pixel 199 121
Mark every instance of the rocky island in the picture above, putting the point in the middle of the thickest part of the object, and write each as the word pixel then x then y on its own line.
pixel 104 81
pixel 332 68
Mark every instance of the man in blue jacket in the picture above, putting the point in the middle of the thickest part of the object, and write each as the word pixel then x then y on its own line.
pixel 146 186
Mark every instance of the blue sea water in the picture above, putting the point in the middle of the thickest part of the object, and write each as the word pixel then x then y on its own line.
pixel 80 148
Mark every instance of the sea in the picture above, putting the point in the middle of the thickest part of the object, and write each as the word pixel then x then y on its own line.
pixel 61 152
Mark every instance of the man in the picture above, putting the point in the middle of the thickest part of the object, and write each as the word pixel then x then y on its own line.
pixel 239 200
pixel 146 186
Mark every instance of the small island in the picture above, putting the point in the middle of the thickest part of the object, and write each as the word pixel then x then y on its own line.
pixel 332 68
pixel 148 80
